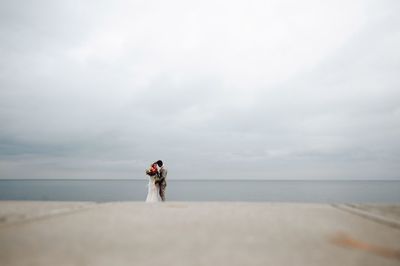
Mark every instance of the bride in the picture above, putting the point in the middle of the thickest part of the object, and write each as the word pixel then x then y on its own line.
pixel 152 193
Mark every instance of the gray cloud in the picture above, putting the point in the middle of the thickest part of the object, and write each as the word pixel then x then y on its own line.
pixel 275 89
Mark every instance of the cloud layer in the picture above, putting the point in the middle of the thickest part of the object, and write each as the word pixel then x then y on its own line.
pixel 217 89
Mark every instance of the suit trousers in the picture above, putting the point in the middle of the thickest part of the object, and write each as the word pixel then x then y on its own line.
pixel 161 189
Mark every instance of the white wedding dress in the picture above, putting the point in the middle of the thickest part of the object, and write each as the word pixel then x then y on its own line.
pixel 152 193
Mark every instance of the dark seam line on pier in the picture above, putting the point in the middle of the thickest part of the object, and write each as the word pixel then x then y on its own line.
pixel 370 216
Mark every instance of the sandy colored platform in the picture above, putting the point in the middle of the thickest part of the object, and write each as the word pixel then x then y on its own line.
pixel 182 233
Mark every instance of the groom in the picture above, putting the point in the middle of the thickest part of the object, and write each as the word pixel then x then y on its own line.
pixel 161 181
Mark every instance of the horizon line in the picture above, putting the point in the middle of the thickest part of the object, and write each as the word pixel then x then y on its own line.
pixel 190 179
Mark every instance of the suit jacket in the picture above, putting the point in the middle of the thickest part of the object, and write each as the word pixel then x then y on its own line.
pixel 162 177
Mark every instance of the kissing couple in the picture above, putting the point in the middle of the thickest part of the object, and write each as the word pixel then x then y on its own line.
pixel 157 173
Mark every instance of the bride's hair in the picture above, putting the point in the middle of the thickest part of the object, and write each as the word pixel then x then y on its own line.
pixel 159 163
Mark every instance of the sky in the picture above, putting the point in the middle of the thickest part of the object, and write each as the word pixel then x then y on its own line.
pixel 216 89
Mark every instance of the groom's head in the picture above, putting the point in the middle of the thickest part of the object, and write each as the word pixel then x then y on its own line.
pixel 159 163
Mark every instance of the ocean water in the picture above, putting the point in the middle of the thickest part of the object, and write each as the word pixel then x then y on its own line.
pixel 205 190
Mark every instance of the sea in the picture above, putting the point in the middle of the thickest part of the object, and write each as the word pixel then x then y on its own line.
pixel 309 191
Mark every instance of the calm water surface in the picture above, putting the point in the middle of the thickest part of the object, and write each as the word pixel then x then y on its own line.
pixel 204 190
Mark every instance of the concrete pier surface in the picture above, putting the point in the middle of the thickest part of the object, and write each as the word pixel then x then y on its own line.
pixel 198 233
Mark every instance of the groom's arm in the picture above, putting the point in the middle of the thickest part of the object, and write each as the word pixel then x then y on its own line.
pixel 163 174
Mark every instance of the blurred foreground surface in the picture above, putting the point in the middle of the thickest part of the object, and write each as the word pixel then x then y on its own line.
pixel 201 233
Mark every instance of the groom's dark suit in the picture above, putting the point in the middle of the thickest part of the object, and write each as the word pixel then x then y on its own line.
pixel 162 182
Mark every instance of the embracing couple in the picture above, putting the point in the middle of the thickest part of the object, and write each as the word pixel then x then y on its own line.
pixel 157 182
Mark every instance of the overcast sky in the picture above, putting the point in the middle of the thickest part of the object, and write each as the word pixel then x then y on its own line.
pixel 216 89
